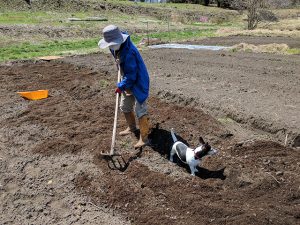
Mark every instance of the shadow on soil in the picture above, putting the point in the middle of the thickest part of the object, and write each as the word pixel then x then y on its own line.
pixel 161 142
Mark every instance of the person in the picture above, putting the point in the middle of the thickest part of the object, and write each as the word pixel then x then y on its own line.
pixel 134 86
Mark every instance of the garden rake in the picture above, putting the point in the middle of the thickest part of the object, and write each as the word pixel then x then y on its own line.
pixel 112 153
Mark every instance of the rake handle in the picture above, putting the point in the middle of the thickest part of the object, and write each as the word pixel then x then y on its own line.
pixel 113 139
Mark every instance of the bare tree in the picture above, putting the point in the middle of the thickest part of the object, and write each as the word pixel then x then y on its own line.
pixel 252 7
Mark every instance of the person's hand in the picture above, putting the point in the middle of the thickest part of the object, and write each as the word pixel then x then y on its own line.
pixel 128 92
pixel 118 91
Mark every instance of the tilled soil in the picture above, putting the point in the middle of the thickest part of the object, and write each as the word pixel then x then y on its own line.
pixel 52 171
pixel 260 90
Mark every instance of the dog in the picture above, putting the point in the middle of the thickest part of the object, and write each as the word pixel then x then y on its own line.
pixel 192 157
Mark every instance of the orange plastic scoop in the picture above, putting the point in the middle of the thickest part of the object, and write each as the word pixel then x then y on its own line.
pixel 34 95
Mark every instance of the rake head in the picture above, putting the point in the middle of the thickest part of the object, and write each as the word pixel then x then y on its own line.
pixel 115 161
pixel 109 155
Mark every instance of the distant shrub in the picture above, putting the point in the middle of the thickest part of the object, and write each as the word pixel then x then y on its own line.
pixel 266 15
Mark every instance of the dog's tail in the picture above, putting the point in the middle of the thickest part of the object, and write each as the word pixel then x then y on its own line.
pixel 173 135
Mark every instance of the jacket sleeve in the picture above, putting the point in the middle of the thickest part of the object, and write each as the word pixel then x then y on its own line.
pixel 130 72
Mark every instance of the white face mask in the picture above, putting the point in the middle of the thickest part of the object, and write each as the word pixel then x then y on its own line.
pixel 115 47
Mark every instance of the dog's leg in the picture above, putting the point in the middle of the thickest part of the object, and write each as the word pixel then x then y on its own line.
pixel 172 153
pixel 173 135
pixel 195 166
pixel 192 168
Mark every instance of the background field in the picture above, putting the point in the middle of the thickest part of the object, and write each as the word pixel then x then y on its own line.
pixel 45 28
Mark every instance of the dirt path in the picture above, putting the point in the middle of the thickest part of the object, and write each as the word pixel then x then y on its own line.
pixel 234 40
pixel 51 171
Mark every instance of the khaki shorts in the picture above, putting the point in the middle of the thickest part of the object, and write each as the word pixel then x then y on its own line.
pixel 129 102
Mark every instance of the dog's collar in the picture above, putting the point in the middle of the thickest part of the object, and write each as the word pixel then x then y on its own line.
pixel 202 154
pixel 195 156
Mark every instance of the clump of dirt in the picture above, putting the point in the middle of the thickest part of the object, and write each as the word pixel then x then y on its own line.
pixel 54 145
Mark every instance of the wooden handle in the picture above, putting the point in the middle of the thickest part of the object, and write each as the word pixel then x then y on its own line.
pixel 112 148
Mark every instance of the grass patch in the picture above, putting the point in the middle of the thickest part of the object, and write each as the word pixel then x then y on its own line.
pixel 172 6
pixel 179 35
pixel 282 25
pixel 54 18
pixel 31 50
pixel 103 83
pixel 24 17
pixel 225 120
pixel 294 51
pixel 287 13
pixel 268 48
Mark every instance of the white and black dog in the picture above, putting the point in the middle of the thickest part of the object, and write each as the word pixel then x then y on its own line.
pixel 192 157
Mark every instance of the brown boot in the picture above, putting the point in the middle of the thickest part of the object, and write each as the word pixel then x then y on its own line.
pixel 144 131
pixel 130 119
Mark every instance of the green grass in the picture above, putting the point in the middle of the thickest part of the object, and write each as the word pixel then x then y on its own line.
pixel 31 50
pixel 225 120
pixel 24 17
pixel 58 18
pixel 103 83
pixel 14 47
pixel 294 51
pixel 177 35
pixel 172 6
pixel 184 35
pixel 53 18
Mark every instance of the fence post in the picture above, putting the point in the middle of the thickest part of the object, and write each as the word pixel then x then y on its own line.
pixel 169 31
pixel 148 33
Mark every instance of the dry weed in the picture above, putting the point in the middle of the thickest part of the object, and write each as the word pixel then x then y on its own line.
pixel 268 48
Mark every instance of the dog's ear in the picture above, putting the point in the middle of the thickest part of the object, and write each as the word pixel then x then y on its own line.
pixel 208 147
pixel 201 141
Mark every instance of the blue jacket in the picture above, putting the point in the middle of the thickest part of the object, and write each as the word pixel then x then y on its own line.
pixel 135 77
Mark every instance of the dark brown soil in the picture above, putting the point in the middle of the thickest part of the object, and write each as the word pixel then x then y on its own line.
pixel 52 171
pixel 260 90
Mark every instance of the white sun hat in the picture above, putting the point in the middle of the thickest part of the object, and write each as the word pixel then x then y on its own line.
pixel 112 36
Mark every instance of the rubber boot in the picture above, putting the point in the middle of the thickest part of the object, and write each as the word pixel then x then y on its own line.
pixel 130 119
pixel 144 131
